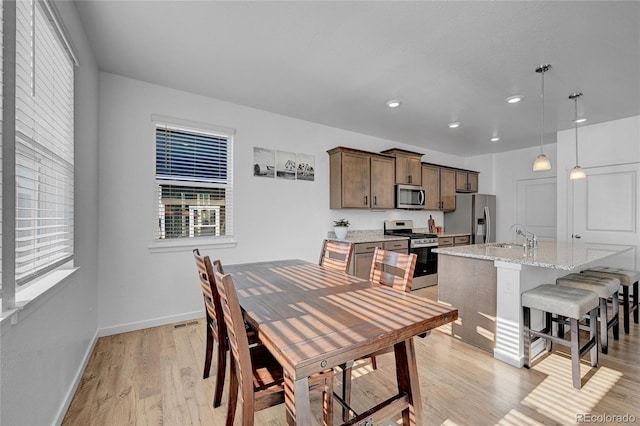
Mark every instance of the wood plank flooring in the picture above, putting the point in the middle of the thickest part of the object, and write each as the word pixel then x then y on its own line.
pixel 154 376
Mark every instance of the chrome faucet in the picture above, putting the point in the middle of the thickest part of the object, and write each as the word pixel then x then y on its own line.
pixel 532 241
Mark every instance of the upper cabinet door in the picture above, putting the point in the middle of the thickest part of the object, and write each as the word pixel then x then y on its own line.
pixel 472 180
pixel 431 184
pixel 355 180
pixel 383 172
pixel 448 189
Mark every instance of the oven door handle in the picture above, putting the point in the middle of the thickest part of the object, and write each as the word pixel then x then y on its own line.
pixel 422 198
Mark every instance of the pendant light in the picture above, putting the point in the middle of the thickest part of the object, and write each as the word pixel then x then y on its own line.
pixel 577 172
pixel 541 162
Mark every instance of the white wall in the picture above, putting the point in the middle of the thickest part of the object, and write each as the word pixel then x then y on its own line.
pixel 273 218
pixel 611 143
pixel 44 353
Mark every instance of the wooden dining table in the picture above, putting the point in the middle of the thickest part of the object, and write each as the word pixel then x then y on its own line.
pixel 313 318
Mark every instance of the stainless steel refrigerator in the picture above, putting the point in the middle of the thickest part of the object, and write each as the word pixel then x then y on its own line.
pixel 475 214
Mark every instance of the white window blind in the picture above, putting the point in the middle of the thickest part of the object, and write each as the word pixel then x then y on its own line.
pixel 44 144
pixel 193 182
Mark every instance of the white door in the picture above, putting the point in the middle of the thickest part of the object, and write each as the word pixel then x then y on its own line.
pixel 605 210
pixel 536 206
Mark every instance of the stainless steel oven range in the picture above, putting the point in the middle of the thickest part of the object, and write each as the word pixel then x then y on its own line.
pixel 426 272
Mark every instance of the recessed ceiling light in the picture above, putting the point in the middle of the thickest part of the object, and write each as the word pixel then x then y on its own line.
pixel 394 103
pixel 454 125
pixel 580 120
pixel 495 139
pixel 514 99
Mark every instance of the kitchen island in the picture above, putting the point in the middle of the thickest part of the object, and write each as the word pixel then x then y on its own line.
pixel 485 281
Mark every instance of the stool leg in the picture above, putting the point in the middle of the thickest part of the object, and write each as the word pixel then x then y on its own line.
pixel 526 317
pixel 625 308
pixel 593 335
pixel 616 316
pixel 604 342
pixel 548 344
pixel 575 353
pixel 635 302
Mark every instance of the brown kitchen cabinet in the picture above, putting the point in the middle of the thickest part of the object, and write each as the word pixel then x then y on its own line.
pixel 440 190
pixel 408 166
pixel 466 181
pixel 454 240
pixel 360 179
pixel 363 255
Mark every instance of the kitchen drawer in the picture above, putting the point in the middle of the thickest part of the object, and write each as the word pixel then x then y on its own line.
pixel 367 247
pixel 399 246
pixel 462 240
pixel 445 241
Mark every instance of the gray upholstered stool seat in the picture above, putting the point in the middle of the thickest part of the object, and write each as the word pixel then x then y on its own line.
pixel 627 279
pixel 604 287
pixel 568 302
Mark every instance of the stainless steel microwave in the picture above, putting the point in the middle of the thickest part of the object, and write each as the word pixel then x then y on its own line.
pixel 409 197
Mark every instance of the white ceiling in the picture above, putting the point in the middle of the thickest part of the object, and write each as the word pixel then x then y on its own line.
pixel 337 63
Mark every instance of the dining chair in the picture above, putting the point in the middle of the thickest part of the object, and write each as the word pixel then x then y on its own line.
pixel 256 377
pixel 336 255
pixel 216 331
pixel 392 269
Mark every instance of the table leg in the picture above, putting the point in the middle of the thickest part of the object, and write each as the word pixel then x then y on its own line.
pixel 296 397
pixel 407 375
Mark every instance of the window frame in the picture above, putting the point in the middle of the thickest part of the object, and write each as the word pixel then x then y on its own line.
pixel 158 245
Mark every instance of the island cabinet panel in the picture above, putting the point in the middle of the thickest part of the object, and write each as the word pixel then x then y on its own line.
pixel 440 187
pixel 470 286
pixel 359 179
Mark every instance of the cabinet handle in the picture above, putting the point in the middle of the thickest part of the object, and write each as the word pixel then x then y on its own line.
pixel 366 200
pixel 410 179
pixel 375 200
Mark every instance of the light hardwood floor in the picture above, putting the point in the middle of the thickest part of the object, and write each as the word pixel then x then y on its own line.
pixel 154 376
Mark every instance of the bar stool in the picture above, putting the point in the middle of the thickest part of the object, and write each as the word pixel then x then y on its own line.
pixel 627 279
pixel 604 287
pixel 567 302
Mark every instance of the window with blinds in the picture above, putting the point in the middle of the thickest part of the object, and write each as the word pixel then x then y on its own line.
pixel 43 144
pixel 193 183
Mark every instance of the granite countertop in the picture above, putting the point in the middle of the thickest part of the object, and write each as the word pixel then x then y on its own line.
pixel 359 236
pixel 444 234
pixel 549 254
pixel 453 235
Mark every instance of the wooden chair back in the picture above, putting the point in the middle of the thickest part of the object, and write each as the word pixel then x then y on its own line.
pixel 210 294
pixel 393 269
pixel 238 341
pixel 336 255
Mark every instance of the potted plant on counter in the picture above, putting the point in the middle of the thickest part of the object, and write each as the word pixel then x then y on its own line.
pixel 340 227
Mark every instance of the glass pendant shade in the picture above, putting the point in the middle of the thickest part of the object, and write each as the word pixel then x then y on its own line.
pixel 577 173
pixel 541 163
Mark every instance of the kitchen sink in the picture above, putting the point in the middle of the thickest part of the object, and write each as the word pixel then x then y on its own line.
pixel 508 245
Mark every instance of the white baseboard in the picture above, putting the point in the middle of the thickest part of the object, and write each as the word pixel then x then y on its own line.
pixel 76 381
pixel 124 328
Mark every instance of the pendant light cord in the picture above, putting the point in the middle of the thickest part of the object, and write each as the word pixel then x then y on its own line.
pixel 542 113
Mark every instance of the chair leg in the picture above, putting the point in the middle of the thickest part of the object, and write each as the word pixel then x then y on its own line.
pixel 635 302
pixel 593 335
pixel 208 353
pixel 233 395
pixel 346 391
pixel 575 353
pixel 374 363
pixel 625 308
pixel 604 341
pixel 616 316
pixel 548 325
pixel 327 401
pixel 220 373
